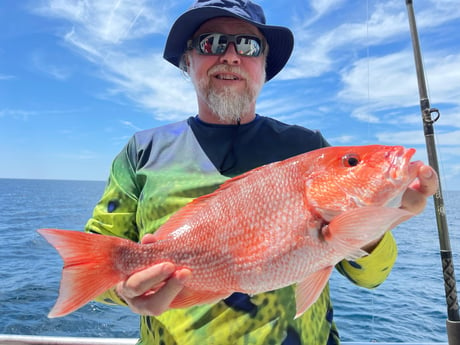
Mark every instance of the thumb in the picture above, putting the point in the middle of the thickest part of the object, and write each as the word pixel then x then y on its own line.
pixel 149 238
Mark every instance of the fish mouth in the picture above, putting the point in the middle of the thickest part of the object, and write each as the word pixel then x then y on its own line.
pixel 402 172
pixel 401 168
pixel 413 167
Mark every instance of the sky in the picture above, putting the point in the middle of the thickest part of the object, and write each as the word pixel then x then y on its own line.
pixel 79 77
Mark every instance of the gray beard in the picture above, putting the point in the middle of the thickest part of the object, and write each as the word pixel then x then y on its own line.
pixel 229 106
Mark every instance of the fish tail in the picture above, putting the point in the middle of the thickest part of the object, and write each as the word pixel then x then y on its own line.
pixel 88 270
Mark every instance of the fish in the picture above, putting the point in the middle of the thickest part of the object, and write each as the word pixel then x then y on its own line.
pixel 284 223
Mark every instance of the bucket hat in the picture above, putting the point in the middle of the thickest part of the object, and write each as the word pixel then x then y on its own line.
pixel 280 39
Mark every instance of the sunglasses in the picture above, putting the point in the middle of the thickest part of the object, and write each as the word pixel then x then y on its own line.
pixel 217 44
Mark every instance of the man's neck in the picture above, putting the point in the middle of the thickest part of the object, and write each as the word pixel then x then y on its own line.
pixel 208 116
pixel 216 120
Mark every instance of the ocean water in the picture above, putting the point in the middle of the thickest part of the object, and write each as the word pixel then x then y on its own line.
pixel 408 307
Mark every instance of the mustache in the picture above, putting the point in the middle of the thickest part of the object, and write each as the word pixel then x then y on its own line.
pixel 228 69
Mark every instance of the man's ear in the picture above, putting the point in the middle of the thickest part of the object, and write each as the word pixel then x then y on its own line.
pixel 185 63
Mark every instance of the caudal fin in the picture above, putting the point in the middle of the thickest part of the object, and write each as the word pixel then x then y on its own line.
pixel 88 269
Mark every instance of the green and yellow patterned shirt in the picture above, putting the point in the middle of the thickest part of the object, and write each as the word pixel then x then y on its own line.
pixel 162 169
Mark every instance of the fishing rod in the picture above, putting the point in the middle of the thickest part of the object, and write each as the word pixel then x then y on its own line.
pixel 453 320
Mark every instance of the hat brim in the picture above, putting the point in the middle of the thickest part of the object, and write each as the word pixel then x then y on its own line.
pixel 280 39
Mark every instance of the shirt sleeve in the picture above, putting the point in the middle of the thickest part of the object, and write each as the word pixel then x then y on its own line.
pixel 370 271
pixel 115 213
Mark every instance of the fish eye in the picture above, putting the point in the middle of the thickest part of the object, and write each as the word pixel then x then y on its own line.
pixel 351 160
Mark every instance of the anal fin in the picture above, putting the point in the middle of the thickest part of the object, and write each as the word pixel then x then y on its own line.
pixel 189 297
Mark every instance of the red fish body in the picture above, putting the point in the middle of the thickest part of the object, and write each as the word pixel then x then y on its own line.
pixel 285 223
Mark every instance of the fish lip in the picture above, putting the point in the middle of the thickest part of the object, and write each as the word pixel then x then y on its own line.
pixel 412 167
pixel 401 158
pixel 401 178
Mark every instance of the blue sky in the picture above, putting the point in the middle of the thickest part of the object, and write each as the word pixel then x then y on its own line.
pixel 78 78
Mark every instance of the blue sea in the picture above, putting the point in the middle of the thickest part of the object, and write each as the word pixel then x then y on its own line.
pixel 408 307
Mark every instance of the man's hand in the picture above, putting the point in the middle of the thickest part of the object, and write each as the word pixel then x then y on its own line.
pixel 415 196
pixel 151 291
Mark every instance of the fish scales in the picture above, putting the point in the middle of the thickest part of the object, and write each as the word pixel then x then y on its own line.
pixel 285 223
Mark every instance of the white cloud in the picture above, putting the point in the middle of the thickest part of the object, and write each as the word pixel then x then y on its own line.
pixel 6 77
pixel 40 62
pixel 146 80
pixel 17 113
pixel 406 138
pixel 320 50
pixel 449 117
pixel 443 10
pixel 325 48
pixel 386 80
pixel 107 21
pixel 323 6
pixel 449 138
pixel 130 125
pixel 343 140
pixel 389 82
pixel 362 114
pixel 100 31
pixel 443 77
pixel 25 114
pixel 444 138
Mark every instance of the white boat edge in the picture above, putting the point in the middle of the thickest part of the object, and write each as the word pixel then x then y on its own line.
pixel 12 339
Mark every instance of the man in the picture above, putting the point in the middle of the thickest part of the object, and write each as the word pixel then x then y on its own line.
pixel 229 53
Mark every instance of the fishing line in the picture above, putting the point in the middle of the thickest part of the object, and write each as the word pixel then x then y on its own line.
pixel 368 107
pixel 369 138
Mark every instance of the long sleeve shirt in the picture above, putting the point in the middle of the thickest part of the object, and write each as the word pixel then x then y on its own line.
pixel 162 169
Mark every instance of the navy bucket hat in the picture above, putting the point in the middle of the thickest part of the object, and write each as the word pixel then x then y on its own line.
pixel 280 39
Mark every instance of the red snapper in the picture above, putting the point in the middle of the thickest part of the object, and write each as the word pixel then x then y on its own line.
pixel 284 223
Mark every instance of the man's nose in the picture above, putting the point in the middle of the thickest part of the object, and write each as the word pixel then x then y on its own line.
pixel 230 55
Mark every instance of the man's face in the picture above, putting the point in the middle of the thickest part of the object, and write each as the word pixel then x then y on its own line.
pixel 228 84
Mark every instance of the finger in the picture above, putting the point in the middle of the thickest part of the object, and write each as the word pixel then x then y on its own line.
pixel 149 238
pixel 141 282
pixel 158 302
pixel 428 181
pixel 413 201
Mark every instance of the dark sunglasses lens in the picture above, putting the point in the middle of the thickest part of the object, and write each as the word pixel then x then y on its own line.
pixel 216 44
pixel 248 45
pixel 212 44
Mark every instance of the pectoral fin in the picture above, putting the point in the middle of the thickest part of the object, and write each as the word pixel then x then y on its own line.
pixel 352 230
